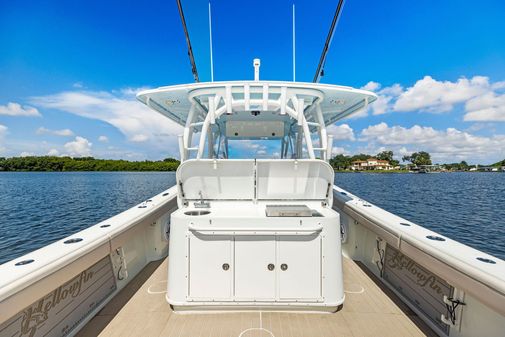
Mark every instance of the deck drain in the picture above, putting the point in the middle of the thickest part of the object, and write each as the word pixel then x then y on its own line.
pixel 343 193
pixel 486 260
pixel 105 226
pixel 142 206
pixel 404 224
pixel 24 262
pixel 164 194
pixel 74 240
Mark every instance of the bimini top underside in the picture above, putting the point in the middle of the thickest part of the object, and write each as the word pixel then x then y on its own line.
pixel 287 98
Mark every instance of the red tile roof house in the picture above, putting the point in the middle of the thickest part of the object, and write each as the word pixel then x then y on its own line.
pixel 371 164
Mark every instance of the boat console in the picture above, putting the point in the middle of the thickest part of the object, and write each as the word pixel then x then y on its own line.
pixel 267 237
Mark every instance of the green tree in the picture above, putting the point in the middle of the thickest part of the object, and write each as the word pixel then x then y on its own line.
pixel 385 155
pixel 340 162
pixel 388 155
pixel 418 158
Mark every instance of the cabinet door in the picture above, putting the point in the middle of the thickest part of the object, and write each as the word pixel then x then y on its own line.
pixel 253 278
pixel 210 267
pixel 299 267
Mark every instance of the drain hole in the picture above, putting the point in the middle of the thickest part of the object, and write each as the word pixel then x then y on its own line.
pixel 164 194
pixel 22 263
pixel 104 226
pixel 486 260
pixel 404 224
pixel 75 240
pixel 435 238
pixel 142 206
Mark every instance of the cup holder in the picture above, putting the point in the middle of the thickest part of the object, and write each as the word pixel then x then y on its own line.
pixel 196 213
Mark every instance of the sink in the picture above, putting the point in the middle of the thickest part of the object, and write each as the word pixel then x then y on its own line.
pixel 196 213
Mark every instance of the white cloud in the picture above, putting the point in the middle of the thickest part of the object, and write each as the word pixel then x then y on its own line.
pixel 488 107
pixel 103 139
pixel 15 109
pixel 53 152
pixel 444 145
pixel 385 97
pixel 341 132
pixel 431 95
pixel 482 99
pixel 338 150
pixel 120 109
pixel 26 154
pixel 3 130
pixel 371 86
pixel 80 147
pixel 77 85
pixel 139 138
pixel 63 132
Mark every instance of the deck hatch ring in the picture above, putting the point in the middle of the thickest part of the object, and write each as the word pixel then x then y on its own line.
pixel 74 240
pixel 22 263
pixel 404 224
pixel 105 226
pixel 435 238
pixel 486 260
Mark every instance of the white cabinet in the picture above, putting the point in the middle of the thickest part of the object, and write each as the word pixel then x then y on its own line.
pixel 253 279
pixel 250 268
pixel 299 267
pixel 210 267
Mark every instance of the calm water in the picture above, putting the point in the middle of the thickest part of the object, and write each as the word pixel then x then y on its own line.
pixel 40 208
pixel 468 207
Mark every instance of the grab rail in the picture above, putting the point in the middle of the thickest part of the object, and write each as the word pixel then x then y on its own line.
pixel 256 231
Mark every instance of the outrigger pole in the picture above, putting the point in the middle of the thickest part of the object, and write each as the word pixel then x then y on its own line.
pixel 329 38
pixel 190 50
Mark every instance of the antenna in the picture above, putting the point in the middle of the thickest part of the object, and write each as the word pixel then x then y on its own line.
pixel 210 41
pixel 329 38
pixel 294 53
pixel 188 42
pixel 256 64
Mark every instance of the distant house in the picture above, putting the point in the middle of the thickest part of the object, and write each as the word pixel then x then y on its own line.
pixel 371 164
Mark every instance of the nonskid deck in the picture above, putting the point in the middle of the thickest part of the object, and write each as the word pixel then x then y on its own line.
pixel 141 310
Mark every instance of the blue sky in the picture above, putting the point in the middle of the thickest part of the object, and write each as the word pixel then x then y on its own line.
pixel 69 71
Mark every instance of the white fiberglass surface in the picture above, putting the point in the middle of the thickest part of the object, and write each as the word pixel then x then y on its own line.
pixel 292 179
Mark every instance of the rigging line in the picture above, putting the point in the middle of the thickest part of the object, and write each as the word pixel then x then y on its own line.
pixel 294 46
pixel 188 42
pixel 329 38
pixel 210 41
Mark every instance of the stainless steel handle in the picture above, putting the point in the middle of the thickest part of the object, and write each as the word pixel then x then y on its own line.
pixel 255 231
pixel 271 266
